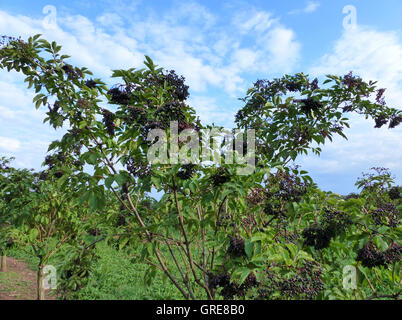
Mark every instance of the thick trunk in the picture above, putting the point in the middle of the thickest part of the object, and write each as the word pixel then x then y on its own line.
pixel 40 289
pixel 3 263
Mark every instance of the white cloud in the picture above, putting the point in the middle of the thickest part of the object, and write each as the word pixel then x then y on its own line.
pixel 283 48
pixel 310 7
pixel 260 21
pixel 373 55
pixel 9 144
pixel 207 54
pixel 209 111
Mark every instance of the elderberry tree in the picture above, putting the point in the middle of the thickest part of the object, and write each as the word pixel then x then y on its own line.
pixel 42 212
pixel 6 240
pixel 214 233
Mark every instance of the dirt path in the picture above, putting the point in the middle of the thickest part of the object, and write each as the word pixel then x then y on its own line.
pixel 19 282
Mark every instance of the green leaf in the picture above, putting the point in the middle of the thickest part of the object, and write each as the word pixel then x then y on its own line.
pixel 248 248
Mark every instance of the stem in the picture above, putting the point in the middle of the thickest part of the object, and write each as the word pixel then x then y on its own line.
pixel 40 289
pixel 3 263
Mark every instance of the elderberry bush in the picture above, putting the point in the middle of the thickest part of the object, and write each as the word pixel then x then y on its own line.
pixel 387 215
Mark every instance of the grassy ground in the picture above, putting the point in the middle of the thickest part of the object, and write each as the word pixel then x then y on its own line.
pixel 11 283
pixel 113 276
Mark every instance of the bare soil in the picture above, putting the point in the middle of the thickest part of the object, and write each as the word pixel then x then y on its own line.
pixel 19 282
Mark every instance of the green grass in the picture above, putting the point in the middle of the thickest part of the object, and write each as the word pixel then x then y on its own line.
pixel 11 282
pixel 114 276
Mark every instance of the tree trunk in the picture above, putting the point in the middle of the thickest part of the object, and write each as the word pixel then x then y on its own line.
pixel 40 288
pixel 3 263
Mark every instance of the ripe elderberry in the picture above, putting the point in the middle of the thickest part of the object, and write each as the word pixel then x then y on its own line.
pixel 180 90
pixel 236 247
pixel 90 83
pixel 393 253
pixel 394 193
pixel 395 121
pixel 309 105
pixel 186 171
pixel 318 236
pixel 220 177
pixel 119 96
pixel 386 215
pixel 380 121
pixel 108 120
pixel 370 256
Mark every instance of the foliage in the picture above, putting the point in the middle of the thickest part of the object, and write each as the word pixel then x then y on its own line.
pixel 271 234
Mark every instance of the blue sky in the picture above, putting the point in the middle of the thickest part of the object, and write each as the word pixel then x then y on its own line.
pixel 221 48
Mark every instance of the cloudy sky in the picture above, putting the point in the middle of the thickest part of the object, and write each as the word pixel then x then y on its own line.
pixel 221 49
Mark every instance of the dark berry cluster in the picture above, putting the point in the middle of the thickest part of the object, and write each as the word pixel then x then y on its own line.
pixel 90 83
pixel 5 40
pixel 338 221
pixel 221 176
pixel 171 111
pixel 387 214
pixel 347 108
pixel 352 81
pixel 187 171
pixel 286 186
pixel 108 120
pixel 379 97
pixel 151 125
pixel 393 253
pixel 256 196
pixel 71 72
pixel 43 175
pixel 138 168
pixel 10 243
pixel 53 162
pixel 236 246
pixel 224 220
pixel 380 121
pixel 135 115
pixel 314 84
pixel 395 121
pixel 370 256
pixel 219 280
pixel 119 95
pixel 231 289
pixel 394 193
pixel 318 236
pixel 292 86
pixel 271 210
pixel 180 90
pixel 307 283
pixel 309 105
